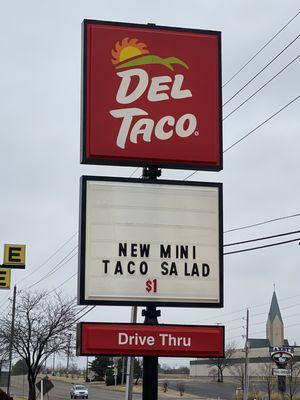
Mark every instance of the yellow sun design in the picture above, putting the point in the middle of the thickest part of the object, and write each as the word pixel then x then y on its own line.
pixel 126 49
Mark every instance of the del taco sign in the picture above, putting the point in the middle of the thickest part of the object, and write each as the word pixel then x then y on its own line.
pixel 151 96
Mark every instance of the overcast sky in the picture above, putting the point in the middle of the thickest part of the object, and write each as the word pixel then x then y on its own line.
pixel 40 146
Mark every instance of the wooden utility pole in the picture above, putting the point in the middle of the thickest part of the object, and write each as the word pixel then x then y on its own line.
pixel 246 377
pixel 12 332
pixel 68 353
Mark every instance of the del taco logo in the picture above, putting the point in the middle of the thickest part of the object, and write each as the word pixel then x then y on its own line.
pixel 128 57
pixel 151 96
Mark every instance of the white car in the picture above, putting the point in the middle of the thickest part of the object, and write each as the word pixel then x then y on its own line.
pixel 79 392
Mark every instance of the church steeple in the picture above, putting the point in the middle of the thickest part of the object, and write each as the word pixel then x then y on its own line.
pixel 275 324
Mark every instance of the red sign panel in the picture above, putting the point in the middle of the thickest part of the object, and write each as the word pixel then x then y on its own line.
pixel 150 340
pixel 151 96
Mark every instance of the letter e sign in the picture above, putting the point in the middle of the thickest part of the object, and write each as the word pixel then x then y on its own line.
pixel 14 256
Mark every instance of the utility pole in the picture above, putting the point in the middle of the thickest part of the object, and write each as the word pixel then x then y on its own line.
pixel 87 369
pixel 12 332
pixel 130 361
pixel 123 370
pixel 246 377
pixel 42 388
pixel 68 353
pixel 53 364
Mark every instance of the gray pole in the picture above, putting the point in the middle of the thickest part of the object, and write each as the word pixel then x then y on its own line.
pixel 123 370
pixel 87 370
pixel 12 332
pixel 53 364
pixel 246 377
pixel 68 353
pixel 130 361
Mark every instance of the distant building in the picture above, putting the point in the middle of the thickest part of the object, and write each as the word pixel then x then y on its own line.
pixel 259 352
pixel 275 327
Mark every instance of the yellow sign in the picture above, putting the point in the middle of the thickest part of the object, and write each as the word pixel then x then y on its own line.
pixel 4 278
pixel 14 256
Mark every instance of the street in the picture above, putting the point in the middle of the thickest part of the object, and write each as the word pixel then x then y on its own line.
pixel 61 391
pixel 193 388
pixel 212 390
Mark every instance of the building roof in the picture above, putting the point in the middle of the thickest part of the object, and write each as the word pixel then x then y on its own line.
pixel 258 343
pixel 274 309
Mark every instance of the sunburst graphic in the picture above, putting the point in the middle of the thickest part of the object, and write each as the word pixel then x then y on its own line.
pixel 126 49
pixel 131 53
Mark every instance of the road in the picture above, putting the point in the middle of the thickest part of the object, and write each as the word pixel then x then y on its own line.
pixel 61 391
pixel 194 389
pixel 200 389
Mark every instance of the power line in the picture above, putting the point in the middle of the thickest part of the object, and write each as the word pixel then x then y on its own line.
pixel 261 124
pixel 261 49
pixel 262 247
pixel 251 307
pixel 262 223
pixel 67 280
pixel 56 267
pixel 85 313
pixel 262 238
pixel 260 71
pixel 262 87
pixel 61 264
pixel 48 259
pixel 249 133
pixel 41 265
pixel 258 323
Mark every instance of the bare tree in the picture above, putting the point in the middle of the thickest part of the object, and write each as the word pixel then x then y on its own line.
pixel 293 381
pixel 222 363
pixel 267 378
pixel 42 326
pixel 238 371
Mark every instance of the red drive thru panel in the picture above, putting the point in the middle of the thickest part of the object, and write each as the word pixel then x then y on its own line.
pixel 150 340
pixel 151 96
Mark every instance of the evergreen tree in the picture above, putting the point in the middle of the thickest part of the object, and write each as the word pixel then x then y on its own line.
pixel 20 368
pixel 100 365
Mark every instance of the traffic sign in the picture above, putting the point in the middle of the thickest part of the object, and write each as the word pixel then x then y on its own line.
pixel 14 256
pixel 47 385
pixel 5 277
pixel 281 372
pixel 95 338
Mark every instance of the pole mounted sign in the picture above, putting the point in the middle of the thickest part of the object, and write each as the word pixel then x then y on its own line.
pixel 5 278
pixel 281 355
pixel 147 340
pixel 151 96
pixel 281 372
pixel 14 256
pixel 146 242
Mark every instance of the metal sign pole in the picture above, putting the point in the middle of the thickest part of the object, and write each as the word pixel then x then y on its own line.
pixel 130 361
pixel 150 364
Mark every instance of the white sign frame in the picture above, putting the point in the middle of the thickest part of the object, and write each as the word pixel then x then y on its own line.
pixel 94 289
pixel 281 372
